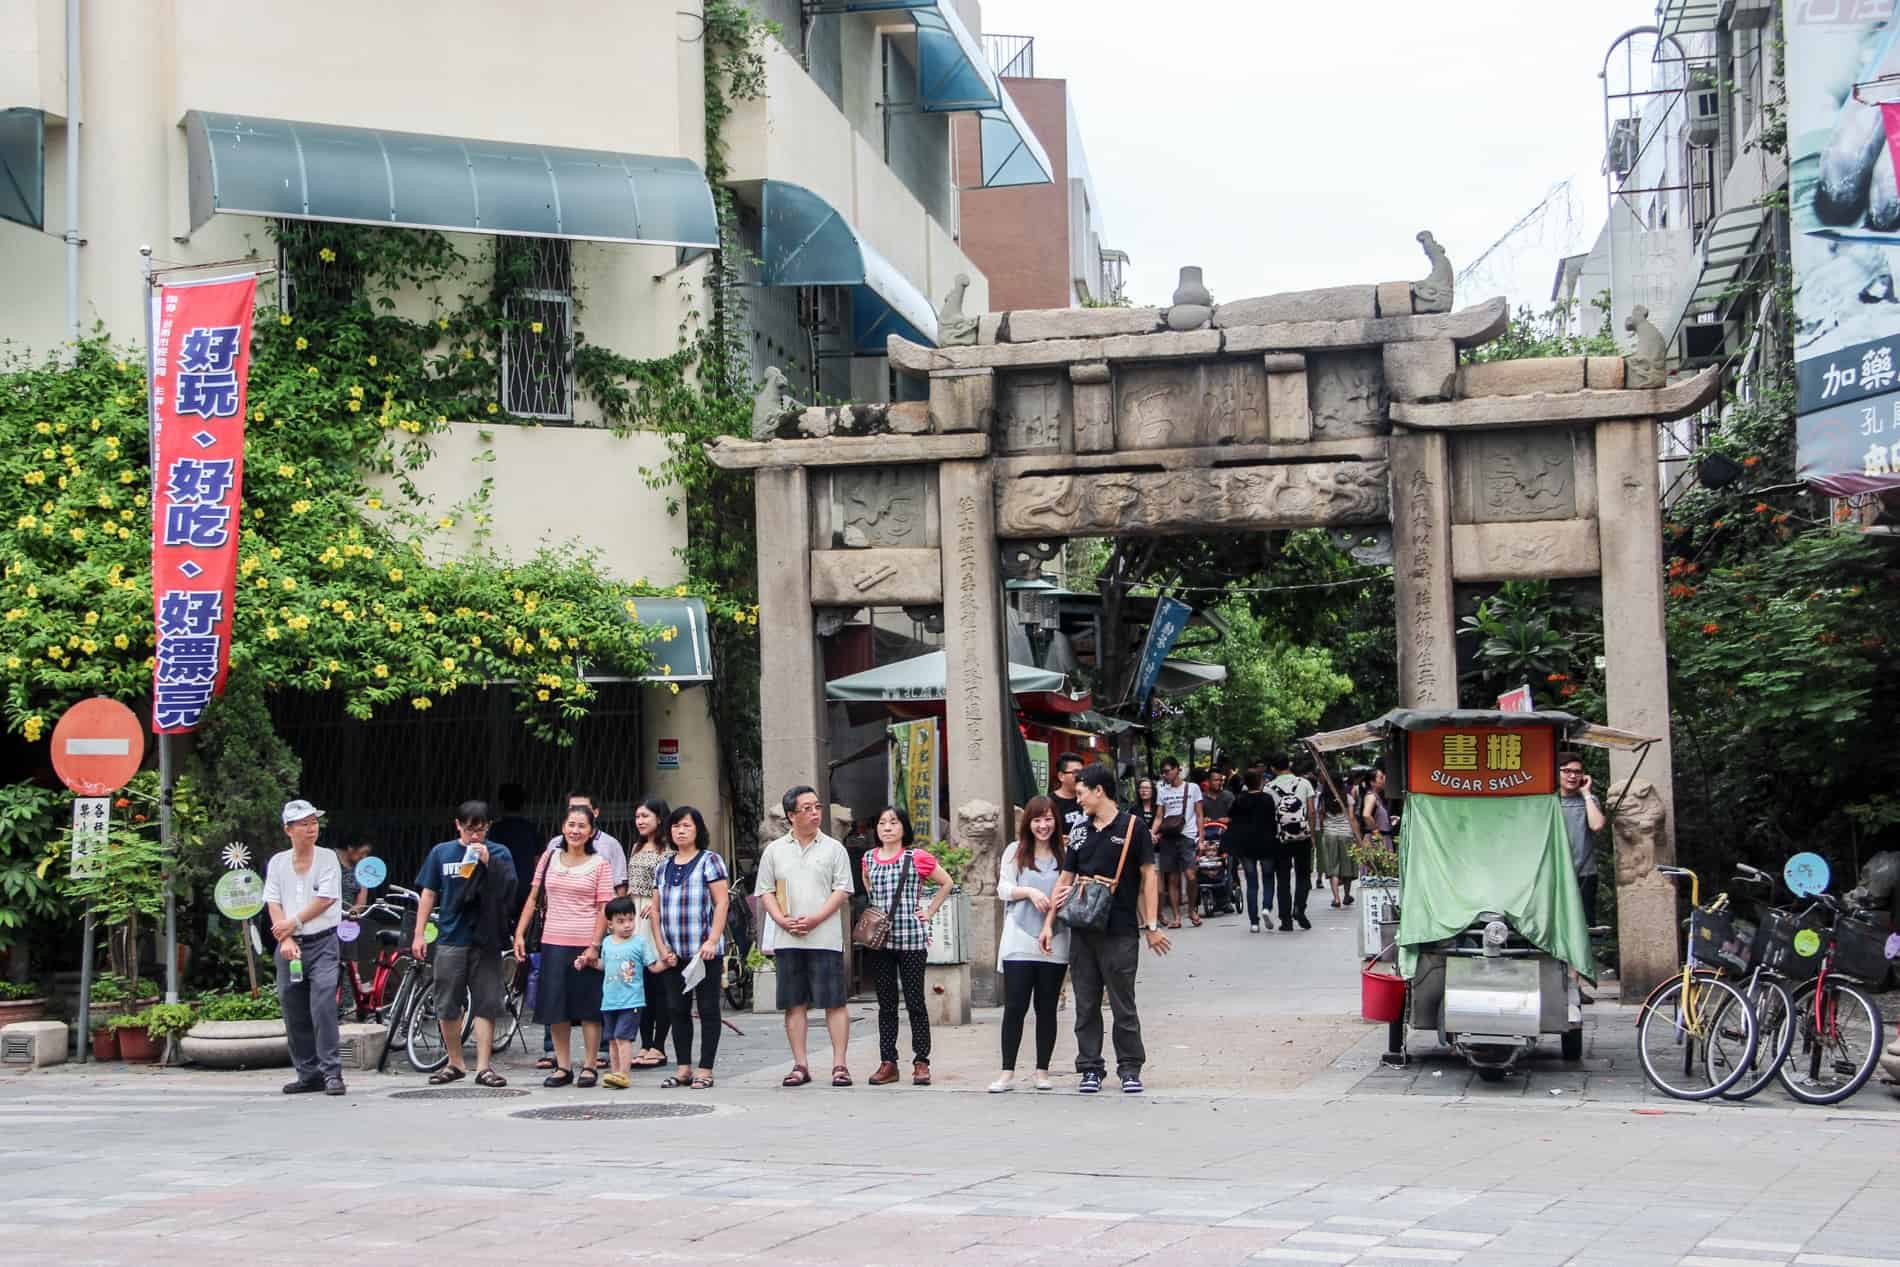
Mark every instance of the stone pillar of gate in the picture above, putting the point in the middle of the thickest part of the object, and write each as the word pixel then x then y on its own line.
pixel 1636 682
pixel 1421 569
pixel 977 704
pixel 793 731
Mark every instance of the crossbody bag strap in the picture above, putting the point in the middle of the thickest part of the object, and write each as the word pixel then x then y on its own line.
pixel 1127 838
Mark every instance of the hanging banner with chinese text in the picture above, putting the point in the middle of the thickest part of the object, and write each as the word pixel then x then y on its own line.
pixel 1171 617
pixel 913 773
pixel 1481 761
pixel 200 355
pixel 1846 223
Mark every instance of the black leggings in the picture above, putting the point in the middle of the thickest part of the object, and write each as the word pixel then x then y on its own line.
pixel 679 1003
pixel 887 966
pixel 656 1017
pixel 1022 980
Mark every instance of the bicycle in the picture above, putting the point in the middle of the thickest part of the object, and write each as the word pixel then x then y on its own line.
pixel 1681 1048
pixel 736 972
pixel 1837 1024
pixel 1762 954
pixel 356 1001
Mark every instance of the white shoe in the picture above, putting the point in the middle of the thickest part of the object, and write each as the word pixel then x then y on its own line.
pixel 1042 1081
pixel 1253 928
pixel 1002 1084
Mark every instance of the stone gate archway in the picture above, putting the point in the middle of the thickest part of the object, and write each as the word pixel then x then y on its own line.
pixel 1330 408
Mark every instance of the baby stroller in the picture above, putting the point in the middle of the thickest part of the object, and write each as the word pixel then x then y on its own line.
pixel 1210 867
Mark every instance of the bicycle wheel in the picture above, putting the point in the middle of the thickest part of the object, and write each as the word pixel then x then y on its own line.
pixel 508 1024
pixel 426 1051
pixel 1774 1031
pixel 1683 1053
pixel 1834 1054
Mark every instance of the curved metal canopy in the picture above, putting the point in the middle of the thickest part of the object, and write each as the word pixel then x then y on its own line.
pixel 808 242
pixel 244 165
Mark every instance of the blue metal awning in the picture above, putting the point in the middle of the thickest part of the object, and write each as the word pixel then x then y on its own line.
pixel 954 76
pixel 23 167
pixel 806 242
pixel 685 657
pixel 243 165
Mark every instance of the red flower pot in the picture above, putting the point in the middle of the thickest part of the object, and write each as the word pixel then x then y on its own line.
pixel 136 1045
pixel 105 1044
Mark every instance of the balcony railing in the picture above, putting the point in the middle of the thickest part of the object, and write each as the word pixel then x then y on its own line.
pixel 1011 56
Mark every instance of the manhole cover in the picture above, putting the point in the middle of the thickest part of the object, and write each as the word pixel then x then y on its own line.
pixel 457 1093
pixel 591 1112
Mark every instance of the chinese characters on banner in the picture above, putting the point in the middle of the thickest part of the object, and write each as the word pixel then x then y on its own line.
pixel 1171 617
pixel 200 356
pixel 1482 761
pixel 1847 356
pixel 913 773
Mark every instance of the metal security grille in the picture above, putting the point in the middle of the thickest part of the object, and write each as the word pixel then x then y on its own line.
pixel 395 780
pixel 536 279
pixel 317 271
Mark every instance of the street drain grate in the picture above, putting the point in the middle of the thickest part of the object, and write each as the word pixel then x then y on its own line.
pixel 592 1112
pixel 456 1093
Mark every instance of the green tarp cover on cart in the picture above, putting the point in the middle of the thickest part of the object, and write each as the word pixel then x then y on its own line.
pixel 1460 856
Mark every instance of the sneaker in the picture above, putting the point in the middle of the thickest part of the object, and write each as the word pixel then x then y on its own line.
pixel 1005 1083
pixel 1303 921
pixel 334 1086
pixel 1131 1084
pixel 1091 1083
pixel 1253 928
pixel 303 1086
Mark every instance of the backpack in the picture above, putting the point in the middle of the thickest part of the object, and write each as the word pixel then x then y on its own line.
pixel 1289 814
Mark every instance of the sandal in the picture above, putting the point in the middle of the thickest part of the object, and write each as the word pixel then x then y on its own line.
pixel 647 1063
pixel 1195 920
pixel 588 1077
pixel 559 1078
pixel 702 1082
pixel 547 1062
pixel 840 1076
pixel 442 1077
pixel 489 1078
pixel 674 1080
pixel 798 1077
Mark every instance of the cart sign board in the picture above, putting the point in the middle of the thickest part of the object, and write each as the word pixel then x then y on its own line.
pixel 1482 761
pixel 98 746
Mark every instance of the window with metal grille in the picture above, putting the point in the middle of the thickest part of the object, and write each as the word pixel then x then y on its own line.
pixel 535 277
pixel 317 268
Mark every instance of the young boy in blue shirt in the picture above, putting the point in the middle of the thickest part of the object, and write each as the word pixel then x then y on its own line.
pixel 624 955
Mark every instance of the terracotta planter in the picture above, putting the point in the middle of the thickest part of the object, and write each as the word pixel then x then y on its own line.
pixel 12 1010
pixel 136 1046
pixel 105 1044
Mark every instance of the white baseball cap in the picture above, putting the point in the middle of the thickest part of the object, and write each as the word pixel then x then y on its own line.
pixel 296 811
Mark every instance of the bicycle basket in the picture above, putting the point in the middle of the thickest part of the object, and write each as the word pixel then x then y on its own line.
pixel 1774 941
pixel 1712 935
pixel 1860 947
pixel 1800 966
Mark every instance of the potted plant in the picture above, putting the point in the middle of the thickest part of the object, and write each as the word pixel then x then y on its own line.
pixel 105 1039
pixel 168 1022
pixel 24 1001
pixel 135 1040
pixel 764 981
pixel 123 881
pixel 237 1031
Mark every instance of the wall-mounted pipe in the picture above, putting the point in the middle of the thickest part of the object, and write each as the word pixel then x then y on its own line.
pixel 72 169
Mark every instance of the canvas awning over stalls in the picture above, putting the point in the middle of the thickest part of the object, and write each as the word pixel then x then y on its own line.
pixel 245 165
pixel 1184 677
pixel 922 678
pixel 23 166
pixel 686 657
pixel 805 241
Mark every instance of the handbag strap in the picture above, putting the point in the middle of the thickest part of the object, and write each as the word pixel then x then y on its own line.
pixel 903 874
pixel 1127 837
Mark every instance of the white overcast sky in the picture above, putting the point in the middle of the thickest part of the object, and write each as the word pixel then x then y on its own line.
pixel 1289 144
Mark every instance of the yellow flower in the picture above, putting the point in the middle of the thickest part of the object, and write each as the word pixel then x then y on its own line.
pixel 77 534
pixel 248 566
pixel 448 665
pixel 468 354
pixel 356 406
pixel 88 646
pixel 263 583
pixel 395 626
pixel 125 477
pixel 257 415
pixel 288 583
pixel 26 521
pixel 679 591
pixel 13 662
pixel 338 605
pixel 395 574
pixel 33 477
pixel 420 703
pixel 48 453
pixel 121 641
pixel 445 522
pixel 327 255
pixel 311 370
pixel 283 319
pixel 474 640
pixel 44 428
pixel 493 408
pixel 673 687
pixel 441 323
pixel 534 327
pixel 270 632
pixel 14 613
pixel 92 618
pixel 374 503
pixel 379 671
pixel 95 424
pixel 104 501
pixel 303 344
pixel 298 622
pixel 372 358
pixel 31 728
pixel 275 553
pixel 286 470
pixel 299 507
pixel 541 695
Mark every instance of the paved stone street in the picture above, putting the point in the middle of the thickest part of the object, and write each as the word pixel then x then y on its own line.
pixel 1266 1136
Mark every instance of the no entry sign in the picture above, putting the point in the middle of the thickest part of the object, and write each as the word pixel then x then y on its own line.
pixel 98 745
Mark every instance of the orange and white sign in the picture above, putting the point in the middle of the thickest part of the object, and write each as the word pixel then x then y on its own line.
pixel 1482 761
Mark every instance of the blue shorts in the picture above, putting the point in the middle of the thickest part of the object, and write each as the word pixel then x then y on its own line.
pixel 622 1024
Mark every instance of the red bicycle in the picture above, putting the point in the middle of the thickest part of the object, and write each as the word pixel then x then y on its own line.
pixel 356 1000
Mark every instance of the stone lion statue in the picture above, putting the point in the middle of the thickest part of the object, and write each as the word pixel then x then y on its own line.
pixel 774 825
pixel 1638 829
pixel 978 826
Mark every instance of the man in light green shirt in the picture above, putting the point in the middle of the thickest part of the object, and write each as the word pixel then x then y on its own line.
pixel 804 884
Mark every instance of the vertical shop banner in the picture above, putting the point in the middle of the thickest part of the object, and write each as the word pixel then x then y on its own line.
pixel 1844 203
pixel 200 356
pixel 913 773
pixel 1171 617
pixel 1039 763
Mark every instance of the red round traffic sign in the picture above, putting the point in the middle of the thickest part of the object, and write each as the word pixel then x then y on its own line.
pixel 98 745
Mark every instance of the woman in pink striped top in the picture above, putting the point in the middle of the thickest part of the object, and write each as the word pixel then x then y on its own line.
pixel 578 883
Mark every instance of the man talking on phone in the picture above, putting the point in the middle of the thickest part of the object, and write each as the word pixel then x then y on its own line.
pixel 1582 815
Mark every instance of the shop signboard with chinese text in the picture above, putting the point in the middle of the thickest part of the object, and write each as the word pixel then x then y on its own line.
pixel 1482 761
pixel 200 358
pixel 913 773
pixel 1847 328
pixel 92 823
pixel 1171 617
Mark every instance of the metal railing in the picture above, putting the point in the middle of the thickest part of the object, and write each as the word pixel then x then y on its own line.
pixel 1011 56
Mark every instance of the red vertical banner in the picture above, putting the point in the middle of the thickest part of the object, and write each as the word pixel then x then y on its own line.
pixel 200 357
pixel 1890 120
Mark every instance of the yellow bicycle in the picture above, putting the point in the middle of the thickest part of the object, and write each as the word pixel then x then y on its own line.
pixel 1685 1052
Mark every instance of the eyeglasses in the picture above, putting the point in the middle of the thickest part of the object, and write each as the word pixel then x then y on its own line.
pixel 1575 772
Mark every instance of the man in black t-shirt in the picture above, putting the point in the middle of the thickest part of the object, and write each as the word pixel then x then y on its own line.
pixel 1069 813
pixel 1106 958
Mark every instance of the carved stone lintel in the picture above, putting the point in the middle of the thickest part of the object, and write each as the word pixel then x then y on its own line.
pixel 1172 406
pixel 1023 560
pixel 1310 494
pixel 1092 390
pixel 962 401
pixel 730 454
pixel 882 577
pixel 1678 400
pixel 1094 372
pixel 881 506
pixel 1032 409
pixel 1516 476
pixel 1289 403
pixel 1524 551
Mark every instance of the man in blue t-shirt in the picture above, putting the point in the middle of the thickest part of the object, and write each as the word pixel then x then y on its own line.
pixel 469 937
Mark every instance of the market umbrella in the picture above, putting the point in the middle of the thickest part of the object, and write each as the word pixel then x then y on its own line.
pixel 922 677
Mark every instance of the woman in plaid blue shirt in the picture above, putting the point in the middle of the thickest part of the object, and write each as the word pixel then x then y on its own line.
pixel 689 921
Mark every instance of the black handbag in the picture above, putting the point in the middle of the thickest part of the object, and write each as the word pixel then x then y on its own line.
pixel 1091 895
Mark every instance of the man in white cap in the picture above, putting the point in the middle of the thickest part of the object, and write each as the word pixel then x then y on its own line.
pixel 303 890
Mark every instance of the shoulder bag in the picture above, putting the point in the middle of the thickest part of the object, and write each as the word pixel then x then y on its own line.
pixel 873 927
pixel 1089 898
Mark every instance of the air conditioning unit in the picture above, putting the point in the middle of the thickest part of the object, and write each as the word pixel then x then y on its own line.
pixel 1624 145
pixel 1704 107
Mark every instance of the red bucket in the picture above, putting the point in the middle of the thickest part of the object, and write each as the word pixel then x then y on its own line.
pixel 1381 995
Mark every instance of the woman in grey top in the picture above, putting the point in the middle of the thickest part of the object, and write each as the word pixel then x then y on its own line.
pixel 1026 886
pixel 644 858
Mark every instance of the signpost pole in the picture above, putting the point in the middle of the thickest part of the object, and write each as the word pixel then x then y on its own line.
pixel 85 987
